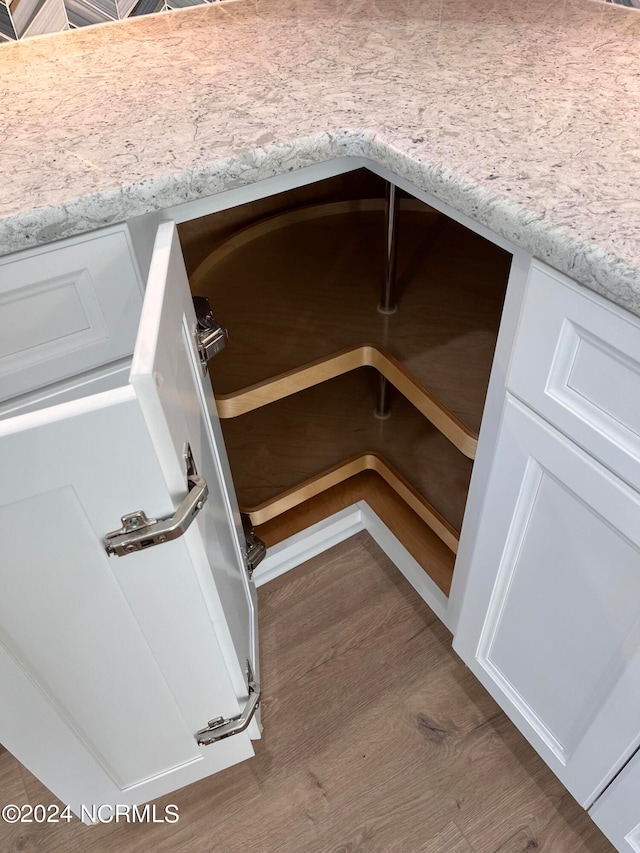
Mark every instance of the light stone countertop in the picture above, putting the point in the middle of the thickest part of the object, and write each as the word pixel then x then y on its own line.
pixel 522 114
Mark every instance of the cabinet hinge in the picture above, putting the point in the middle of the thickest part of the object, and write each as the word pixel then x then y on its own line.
pixel 256 550
pixel 223 727
pixel 211 337
pixel 138 532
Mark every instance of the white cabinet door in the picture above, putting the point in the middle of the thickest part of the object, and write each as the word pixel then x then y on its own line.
pixel 617 812
pixel 67 307
pixel 110 665
pixel 550 622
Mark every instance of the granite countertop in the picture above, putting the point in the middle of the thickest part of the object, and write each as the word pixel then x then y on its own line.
pixel 523 114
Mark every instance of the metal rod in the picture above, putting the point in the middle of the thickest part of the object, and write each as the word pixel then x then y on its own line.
pixel 388 303
pixel 382 410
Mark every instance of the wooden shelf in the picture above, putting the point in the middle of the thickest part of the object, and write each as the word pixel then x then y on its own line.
pixel 291 450
pixel 199 237
pixel 255 396
pixel 424 546
pixel 303 287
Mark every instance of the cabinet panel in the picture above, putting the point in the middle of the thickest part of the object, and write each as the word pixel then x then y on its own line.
pixel 585 377
pixel 58 619
pixel 559 596
pixel 120 661
pixel 66 308
pixel 550 621
pixel 106 378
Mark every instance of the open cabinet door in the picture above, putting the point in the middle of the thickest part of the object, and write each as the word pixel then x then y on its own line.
pixel 110 665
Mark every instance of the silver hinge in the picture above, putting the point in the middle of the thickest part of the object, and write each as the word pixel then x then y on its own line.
pixel 223 727
pixel 138 532
pixel 256 549
pixel 211 337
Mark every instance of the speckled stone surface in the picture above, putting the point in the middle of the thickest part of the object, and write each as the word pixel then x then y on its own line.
pixel 523 114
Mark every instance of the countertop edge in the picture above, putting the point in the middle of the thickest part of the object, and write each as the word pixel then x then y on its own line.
pixel 598 270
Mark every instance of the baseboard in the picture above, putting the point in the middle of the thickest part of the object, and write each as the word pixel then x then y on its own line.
pixel 426 588
pixel 308 543
pixel 336 528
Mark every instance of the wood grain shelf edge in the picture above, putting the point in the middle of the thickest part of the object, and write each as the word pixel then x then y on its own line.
pixel 367 355
pixel 314 486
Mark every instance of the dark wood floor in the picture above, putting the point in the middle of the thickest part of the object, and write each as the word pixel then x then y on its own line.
pixel 377 738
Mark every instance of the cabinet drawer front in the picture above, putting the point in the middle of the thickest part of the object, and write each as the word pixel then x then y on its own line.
pixel 577 363
pixel 65 309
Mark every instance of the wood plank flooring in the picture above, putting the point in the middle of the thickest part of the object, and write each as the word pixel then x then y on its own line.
pixel 377 738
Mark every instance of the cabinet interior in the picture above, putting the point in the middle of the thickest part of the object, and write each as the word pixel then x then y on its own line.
pixel 296 280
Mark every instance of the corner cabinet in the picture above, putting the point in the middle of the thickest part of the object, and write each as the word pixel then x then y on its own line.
pixel 122 661
pixel 118 662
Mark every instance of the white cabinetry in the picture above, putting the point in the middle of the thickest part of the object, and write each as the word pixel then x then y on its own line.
pixel 576 361
pixel 67 308
pixel 550 621
pixel 110 665
pixel 118 661
pixel 617 812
